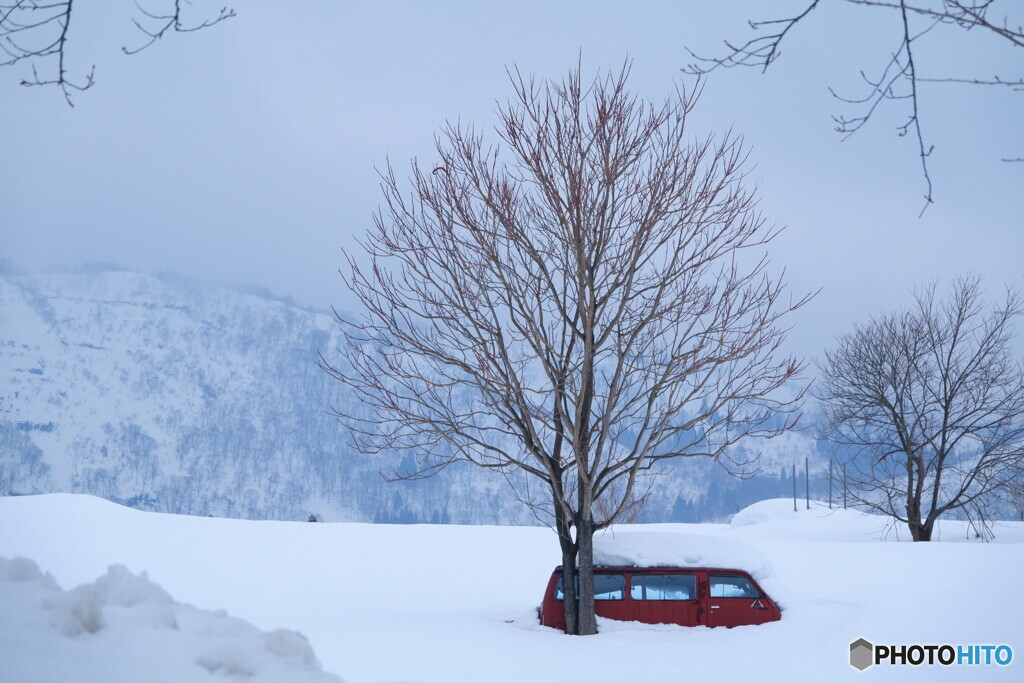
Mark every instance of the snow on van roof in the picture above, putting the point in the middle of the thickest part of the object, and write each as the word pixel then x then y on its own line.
pixel 668 549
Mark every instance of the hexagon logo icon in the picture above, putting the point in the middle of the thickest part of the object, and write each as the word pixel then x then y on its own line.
pixel 862 654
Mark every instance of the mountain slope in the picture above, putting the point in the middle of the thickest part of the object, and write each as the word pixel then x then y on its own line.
pixel 169 395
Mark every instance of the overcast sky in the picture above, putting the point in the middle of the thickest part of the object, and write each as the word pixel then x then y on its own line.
pixel 247 152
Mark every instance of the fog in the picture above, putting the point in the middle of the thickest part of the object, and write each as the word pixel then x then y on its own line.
pixel 248 152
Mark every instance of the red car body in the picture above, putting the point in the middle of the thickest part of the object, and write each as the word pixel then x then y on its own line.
pixel 669 595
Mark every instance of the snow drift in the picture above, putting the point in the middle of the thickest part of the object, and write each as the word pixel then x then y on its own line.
pixel 124 627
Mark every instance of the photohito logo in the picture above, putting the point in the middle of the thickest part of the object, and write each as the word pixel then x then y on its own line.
pixel 863 654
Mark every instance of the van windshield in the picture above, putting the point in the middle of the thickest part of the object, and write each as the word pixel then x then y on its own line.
pixel 732 587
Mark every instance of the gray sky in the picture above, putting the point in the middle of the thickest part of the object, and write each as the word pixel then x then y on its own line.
pixel 246 152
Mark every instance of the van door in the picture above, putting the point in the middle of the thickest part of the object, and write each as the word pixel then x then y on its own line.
pixel 733 600
pixel 664 598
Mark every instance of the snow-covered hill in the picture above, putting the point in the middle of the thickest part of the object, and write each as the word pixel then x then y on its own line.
pixel 174 396
pixel 455 604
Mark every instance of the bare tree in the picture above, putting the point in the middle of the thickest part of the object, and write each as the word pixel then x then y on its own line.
pixel 929 403
pixel 900 73
pixel 1012 494
pixel 569 307
pixel 36 32
pixel 1016 496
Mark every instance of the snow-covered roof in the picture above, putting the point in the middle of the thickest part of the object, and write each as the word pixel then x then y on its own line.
pixel 638 548
pixel 667 549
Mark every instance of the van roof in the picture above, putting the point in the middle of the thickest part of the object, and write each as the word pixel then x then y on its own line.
pixel 662 569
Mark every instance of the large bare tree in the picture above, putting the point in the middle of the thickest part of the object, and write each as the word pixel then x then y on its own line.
pixel 569 306
pixel 929 403
pixel 900 73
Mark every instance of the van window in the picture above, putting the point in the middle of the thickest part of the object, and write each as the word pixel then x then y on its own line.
pixel 732 587
pixel 663 587
pixel 606 587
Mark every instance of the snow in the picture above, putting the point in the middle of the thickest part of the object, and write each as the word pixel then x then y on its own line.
pixel 631 548
pixel 455 604
pixel 124 627
pixel 779 517
pixel 175 396
pixel 666 549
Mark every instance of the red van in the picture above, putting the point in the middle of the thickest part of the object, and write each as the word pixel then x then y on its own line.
pixel 669 595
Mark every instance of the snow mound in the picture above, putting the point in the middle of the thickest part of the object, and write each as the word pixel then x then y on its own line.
pixel 667 549
pixel 21 569
pixel 119 596
pixel 124 627
pixel 779 509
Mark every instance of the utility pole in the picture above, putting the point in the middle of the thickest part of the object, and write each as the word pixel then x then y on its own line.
pixel 844 485
pixel 807 481
pixel 830 483
pixel 794 487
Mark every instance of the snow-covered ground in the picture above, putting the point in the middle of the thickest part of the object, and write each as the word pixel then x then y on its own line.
pixel 455 604
pixel 125 627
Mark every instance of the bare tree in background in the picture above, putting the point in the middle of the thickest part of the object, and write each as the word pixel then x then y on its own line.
pixel 36 32
pixel 930 404
pixel 899 74
pixel 1014 493
pixel 569 307
pixel 1017 497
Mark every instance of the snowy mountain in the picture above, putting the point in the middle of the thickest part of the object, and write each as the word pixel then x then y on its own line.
pixel 169 395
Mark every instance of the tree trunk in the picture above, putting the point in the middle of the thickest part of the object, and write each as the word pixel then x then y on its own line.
pixel 587 619
pixel 569 582
pixel 928 527
pixel 919 531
